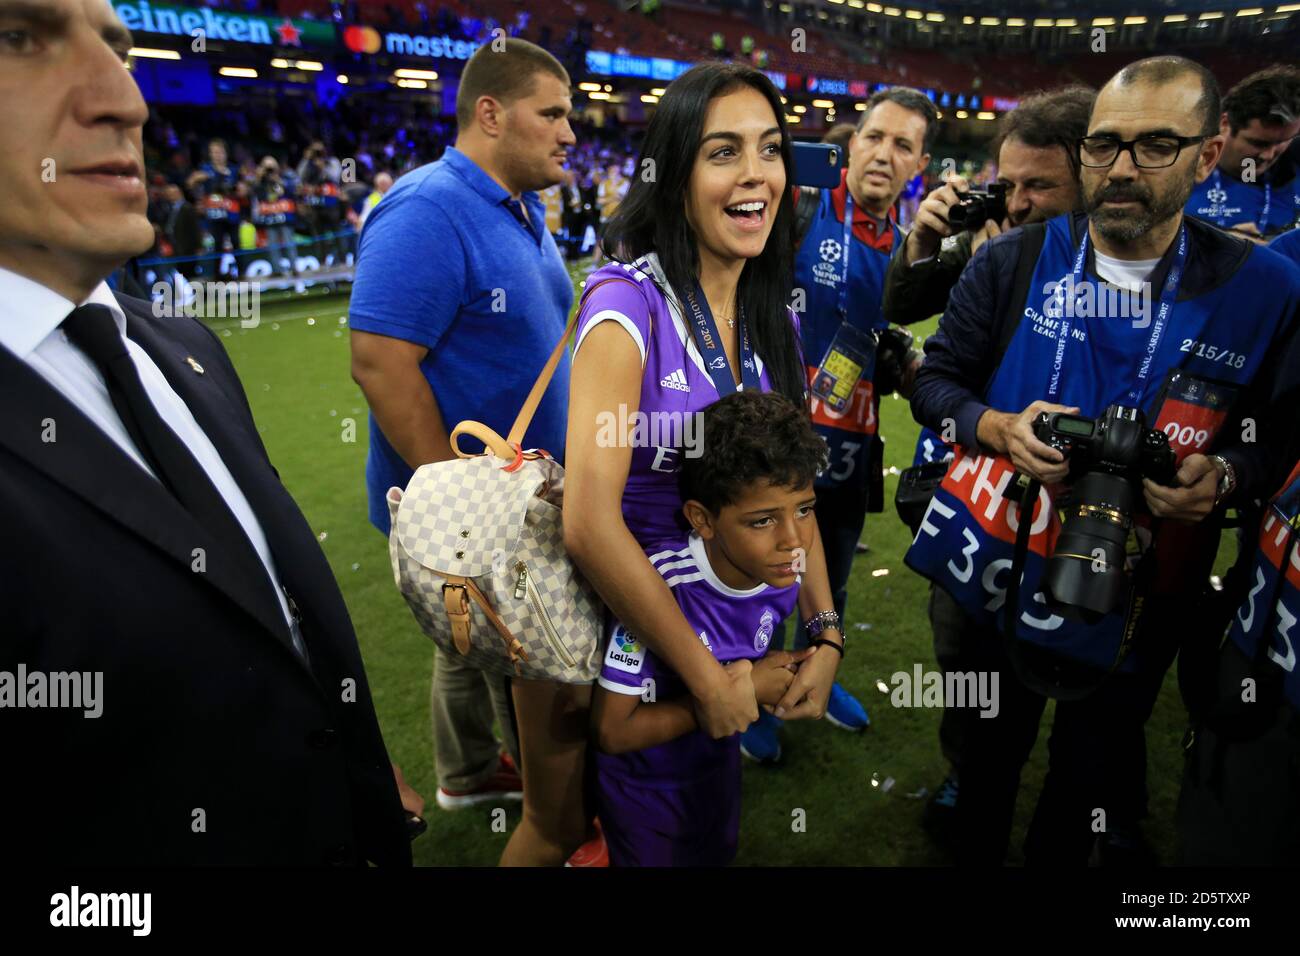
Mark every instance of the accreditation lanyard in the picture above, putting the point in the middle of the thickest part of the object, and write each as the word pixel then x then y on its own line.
pixel 843 308
pixel 1167 296
pixel 707 340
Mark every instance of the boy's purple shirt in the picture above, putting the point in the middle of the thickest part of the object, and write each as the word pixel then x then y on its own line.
pixel 732 624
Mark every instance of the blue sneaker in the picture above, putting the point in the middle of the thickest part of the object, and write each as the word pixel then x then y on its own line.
pixel 844 711
pixel 762 742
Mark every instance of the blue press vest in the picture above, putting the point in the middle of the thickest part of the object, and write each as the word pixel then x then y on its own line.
pixel 819 268
pixel 1272 605
pixel 930 447
pixel 1226 201
pixel 1222 337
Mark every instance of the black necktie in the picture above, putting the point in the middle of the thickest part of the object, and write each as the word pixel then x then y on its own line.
pixel 92 329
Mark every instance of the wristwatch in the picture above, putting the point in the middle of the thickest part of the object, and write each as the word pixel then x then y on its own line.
pixel 1228 483
pixel 821 621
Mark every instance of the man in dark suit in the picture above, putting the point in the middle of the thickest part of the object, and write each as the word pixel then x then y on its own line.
pixel 179 680
pixel 182 229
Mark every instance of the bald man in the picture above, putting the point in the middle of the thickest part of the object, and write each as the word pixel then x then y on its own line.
pixel 1168 317
pixel 179 680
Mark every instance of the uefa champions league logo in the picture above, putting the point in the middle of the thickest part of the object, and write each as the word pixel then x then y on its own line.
pixel 763 636
pixel 1217 195
pixel 1054 308
pixel 830 250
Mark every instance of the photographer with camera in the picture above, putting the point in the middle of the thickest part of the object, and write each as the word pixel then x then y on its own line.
pixel 1038 179
pixel 846 237
pixel 274 209
pixel 1108 322
pixel 321 211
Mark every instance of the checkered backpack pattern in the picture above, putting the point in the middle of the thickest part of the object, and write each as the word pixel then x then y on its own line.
pixel 477 547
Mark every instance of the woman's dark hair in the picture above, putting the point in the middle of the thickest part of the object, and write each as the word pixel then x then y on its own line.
pixel 748 437
pixel 652 217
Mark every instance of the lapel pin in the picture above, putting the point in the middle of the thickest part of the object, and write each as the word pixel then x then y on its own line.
pixel 194 365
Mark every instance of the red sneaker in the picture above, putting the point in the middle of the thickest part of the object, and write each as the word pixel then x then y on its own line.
pixel 505 784
pixel 592 853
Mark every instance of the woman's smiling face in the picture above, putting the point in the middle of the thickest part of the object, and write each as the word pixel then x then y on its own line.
pixel 739 176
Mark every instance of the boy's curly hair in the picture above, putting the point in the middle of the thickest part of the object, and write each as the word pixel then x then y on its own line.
pixel 747 437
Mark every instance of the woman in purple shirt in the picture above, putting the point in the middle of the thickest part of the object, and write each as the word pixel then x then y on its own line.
pixel 694 305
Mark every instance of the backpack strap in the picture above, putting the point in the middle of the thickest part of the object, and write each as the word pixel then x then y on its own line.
pixel 529 409
pixel 1035 234
pixel 457 592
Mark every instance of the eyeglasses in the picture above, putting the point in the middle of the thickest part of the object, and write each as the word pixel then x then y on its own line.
pixel 1147 152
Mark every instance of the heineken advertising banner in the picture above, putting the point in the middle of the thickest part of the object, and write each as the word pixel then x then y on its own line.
pixel 141 16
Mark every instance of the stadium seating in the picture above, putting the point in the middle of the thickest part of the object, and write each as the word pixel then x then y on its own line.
pixel 685 32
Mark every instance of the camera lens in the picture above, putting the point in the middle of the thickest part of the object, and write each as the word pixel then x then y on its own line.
pixel 1085 575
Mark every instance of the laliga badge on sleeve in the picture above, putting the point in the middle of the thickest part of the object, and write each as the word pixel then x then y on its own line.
pixel 198 369
pixel 852 354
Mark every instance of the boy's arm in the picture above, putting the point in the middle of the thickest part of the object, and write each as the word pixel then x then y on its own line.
pixel 623 722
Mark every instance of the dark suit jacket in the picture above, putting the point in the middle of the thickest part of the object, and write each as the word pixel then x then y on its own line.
pixel 216 744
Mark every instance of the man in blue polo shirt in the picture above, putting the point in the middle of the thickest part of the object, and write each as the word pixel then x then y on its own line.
pixel 460 296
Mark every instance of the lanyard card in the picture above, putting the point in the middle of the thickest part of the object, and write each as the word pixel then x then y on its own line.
pixel 851 356
pixel 1193 411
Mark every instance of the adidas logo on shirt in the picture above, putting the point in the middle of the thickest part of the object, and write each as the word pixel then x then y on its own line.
pixel 675 380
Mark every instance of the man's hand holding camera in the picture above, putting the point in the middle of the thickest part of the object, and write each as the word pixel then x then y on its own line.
pixel 930 227
pixel 1199 478
pixel 1012 434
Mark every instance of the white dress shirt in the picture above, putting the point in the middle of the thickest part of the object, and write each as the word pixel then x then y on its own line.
pixel 30 316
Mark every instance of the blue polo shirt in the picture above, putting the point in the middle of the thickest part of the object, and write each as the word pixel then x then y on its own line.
pixel 446 261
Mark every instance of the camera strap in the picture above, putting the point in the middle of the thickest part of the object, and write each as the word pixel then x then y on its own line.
pixel 1026 673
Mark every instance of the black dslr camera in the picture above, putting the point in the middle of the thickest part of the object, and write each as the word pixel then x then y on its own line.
pixel 1108 458
pixel 895 354
pixel 978 206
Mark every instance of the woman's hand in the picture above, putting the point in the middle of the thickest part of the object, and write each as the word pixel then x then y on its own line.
pixel 729 705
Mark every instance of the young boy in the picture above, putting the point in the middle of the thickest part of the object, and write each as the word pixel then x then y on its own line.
pixel 667 793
